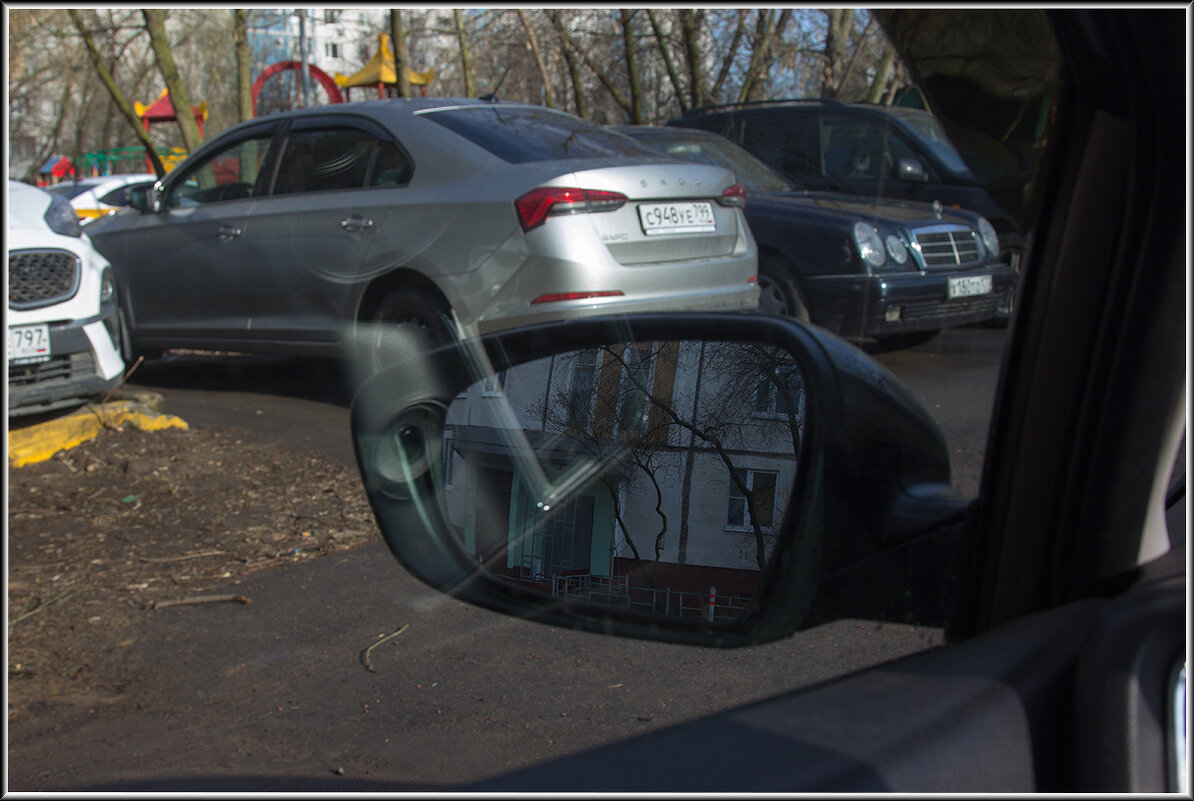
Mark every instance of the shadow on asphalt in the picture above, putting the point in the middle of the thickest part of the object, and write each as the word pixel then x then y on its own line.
pixel 323 380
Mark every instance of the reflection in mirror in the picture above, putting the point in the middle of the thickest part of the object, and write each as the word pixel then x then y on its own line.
pixel 649 476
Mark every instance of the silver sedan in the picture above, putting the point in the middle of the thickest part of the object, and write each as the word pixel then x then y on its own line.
pixel 461 216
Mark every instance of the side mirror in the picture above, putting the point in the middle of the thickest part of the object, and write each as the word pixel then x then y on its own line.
pixel 912 170
pixel 709 478
pixel 143 198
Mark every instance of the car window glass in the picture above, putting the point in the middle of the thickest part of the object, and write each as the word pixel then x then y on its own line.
pixel 390 167
pixel 931 133
pixel 229 174
pixel 852 147
pixel 786 142
pixel 323 161
pixel 117 197
pixel 521 135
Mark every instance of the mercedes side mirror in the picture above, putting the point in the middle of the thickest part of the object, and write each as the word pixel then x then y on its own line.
pixel 912 170
pixel 722 479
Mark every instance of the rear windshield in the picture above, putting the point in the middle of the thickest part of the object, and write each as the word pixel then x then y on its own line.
pixel 519 135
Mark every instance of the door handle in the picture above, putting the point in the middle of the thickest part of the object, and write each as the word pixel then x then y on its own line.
pixel 356 223
pixel 229 232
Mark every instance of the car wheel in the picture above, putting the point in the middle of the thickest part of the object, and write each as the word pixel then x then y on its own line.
pixel 1004 313
pixel 401 315
pixel 778 294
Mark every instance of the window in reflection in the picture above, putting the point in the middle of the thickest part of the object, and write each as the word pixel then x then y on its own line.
pixel 687 452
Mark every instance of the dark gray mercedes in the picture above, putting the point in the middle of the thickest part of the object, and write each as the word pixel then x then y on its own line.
pixel 864 268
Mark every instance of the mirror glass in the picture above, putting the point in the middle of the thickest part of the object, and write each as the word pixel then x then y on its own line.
pixel 650 476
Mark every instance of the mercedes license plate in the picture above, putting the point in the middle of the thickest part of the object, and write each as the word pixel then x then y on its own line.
pixel 28 344
pixel 969 285
pixel 676 218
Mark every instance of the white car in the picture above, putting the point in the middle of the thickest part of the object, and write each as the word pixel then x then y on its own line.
pixel 64 324
pixel 95 197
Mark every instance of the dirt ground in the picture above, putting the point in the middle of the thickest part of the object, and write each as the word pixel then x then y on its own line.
pixel 104 536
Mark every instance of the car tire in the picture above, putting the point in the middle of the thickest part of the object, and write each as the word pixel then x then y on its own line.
pixel 778 294
pixel 417 311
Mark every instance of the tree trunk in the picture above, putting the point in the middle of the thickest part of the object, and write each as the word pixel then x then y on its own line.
pixel 117 96
pixel 466 61
pixel 728 61
pixel 690 24
pixel 569 44
pixel 569 53
pixel 882 76
pixel 398 40
pixel 533 42
pixel 837 34
pixel 636 100
pixel 668 64
pixel 244 81
pixel 155 23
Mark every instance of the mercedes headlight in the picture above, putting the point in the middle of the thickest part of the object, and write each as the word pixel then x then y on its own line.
pixel 869 245
pixel 897 249
pixel 989 235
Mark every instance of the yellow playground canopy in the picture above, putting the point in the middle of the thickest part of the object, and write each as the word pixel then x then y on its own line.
pixel 380 71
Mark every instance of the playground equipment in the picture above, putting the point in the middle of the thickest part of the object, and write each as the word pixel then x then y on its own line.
pixel 319 75
pixel 380 72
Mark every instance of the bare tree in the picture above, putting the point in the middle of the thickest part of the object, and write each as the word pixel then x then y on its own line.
pixel 244 81
pixel 398 39
pixel 117 96
pixel 466 64
pixel 533 43
pixel 155 24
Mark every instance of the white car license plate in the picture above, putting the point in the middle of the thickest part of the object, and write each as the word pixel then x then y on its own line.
pixel 28 344
pixel 969 285
pixel 676 218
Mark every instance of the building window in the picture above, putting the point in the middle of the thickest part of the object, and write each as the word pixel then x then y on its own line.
pixel 331 16
pixel 491 385
pixel 779 390
pixel 332 50
pixel 584 382
pixel 636 400
pixel 761 485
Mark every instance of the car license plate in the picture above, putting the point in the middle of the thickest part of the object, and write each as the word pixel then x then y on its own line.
pixel 969 285
pixel 676 218
pixel 28 344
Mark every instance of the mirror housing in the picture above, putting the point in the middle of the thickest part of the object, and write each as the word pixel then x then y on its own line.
pixel 144 198
pixel 912 170
pixel 872 522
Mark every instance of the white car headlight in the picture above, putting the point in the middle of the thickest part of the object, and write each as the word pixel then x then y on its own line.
pixel 61 217
pixel 989 235
pixel 869 245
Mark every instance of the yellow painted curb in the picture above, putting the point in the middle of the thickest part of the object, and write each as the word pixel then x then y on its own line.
pixel 38 443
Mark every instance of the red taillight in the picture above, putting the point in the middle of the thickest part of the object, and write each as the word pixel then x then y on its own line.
pixel 734 196
pixel 552 298
pixel 537 205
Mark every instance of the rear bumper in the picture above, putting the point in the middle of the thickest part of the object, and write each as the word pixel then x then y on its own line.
pixel 889 305
pixel 744 297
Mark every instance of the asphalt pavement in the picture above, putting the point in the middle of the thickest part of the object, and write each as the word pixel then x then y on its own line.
pixel 279 694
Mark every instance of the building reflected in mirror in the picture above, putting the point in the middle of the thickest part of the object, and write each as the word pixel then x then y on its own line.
pixel 679 459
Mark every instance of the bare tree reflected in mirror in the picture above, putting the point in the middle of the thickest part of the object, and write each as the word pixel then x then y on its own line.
pixel 697 443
